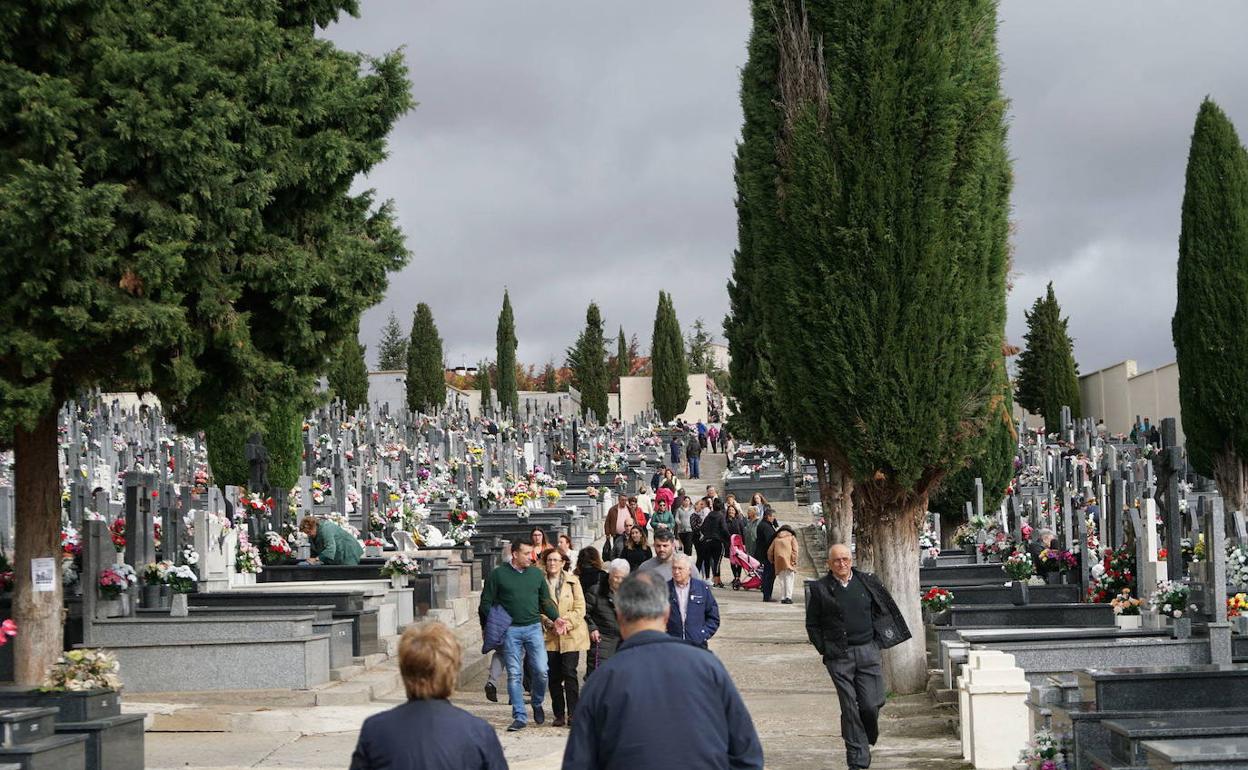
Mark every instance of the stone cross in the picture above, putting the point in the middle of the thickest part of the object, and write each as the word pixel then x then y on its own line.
pixel 1215 591
pixel 140 533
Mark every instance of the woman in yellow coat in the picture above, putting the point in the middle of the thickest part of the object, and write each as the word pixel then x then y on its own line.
pixel 564 645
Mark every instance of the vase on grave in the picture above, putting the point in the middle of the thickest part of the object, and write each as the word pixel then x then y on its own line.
pixel 1053 578
pixel 372 551
pixel 940 618
pixel 1239 624
pixel 243 579
pixel 929 561
pixel 108 608
pixel 1151 619
pixel 1181 628
pixel 1128 622
pixel 1019 593
pixel 166 596
pixel 178 606
pixel 399 581
pixel 150 593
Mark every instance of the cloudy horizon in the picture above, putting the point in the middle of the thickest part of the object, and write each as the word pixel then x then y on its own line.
pixel 574 153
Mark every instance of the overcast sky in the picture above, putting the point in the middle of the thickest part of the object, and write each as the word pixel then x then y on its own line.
pixel 583 150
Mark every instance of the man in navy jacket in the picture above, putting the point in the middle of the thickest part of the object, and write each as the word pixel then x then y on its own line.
pixel 693 615
pixel 652 680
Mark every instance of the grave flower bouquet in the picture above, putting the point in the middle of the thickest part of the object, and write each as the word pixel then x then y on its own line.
pixel 1126 604
pixel 116 579
pixel 1045 752
pixel 156 573
pixel 1236 605
pixel 1237 565
pixel 400 564
pixel 181 579
pixel 275 549
pixel 79 670
pixel 1170 599
pixel 1018 566
pixel 936 600
pixel 117 533
pixel 592 491
pixel 1065 560
pixel 929 544
pixel 247 556
pixel 552 495
pixel 999 547
pixel 1115 573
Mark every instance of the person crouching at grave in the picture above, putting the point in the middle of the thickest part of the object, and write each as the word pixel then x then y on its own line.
pixel 451 738
pixel 850 617
pixel 1041 542
pixel 564 647
pixel 330 543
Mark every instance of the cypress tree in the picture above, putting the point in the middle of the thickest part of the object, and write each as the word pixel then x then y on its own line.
pixel 426 370
pixel 1211 316
pixel 1048 377
pixel 669 380
pixel 873 254
pixel 392 352
pixel 623 357
pixel 171 227
pixel 699 342
pixel 483 385
pixel 550 378
pixel 588 361
pixel 348 374
pixel 508 393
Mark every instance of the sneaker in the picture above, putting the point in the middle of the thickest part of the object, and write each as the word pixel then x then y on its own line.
pixel 539 716
pixel 786 601
pixel 491 692
pixel 515 726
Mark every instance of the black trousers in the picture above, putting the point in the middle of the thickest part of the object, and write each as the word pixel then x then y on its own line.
pixel 686 542
pixel 565 688
pixel 769 580
pixel 710 552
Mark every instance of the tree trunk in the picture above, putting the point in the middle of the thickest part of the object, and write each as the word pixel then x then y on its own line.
pixel 896 541
pixel 864 537
pixel 1231 475
pixel 37 498
pixel 836 490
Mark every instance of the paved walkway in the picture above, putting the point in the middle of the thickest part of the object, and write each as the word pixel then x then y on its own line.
pixel 764 647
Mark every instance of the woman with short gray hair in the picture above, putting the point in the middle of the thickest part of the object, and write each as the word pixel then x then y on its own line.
pixel 604 629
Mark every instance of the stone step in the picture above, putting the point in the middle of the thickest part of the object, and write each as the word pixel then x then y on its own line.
pixel 345 673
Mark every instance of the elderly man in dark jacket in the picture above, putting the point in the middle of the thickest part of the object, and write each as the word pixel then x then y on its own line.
pixel 655 680
pixel 694 614
pixel 850 618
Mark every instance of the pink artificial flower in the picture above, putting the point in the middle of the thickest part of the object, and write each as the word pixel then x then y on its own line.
pixel 7 629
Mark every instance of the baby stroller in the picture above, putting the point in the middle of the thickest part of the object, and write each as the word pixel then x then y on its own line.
pixel 751 570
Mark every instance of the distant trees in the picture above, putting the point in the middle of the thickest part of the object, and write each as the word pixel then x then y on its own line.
pixel 392 351
pixel 483 385
pixel 426 368
pixel 701 358
pixel 348 373
pixel 669 379
pixel 588 361
pixel 508 393
pixel 1048 377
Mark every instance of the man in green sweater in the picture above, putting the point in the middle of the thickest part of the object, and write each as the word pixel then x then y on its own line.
pixel 330 543
pixel 521 589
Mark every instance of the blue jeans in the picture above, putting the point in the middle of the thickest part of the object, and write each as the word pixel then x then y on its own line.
pixel 521 642
pixel 695 467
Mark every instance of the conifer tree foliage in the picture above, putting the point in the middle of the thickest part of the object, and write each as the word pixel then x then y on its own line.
pixel 873 187
pixel 991 461
pixel 699 345
pixel 426 368
pixel 588 361
pixel 483 385
pixel 1210 321
pixel 281 430
pixel 392 351
pixel 508 393
pixel 348 374
pixel 623 356
pixel 669 378
pixel 550 378
pixel 1048 377
pixel 177 203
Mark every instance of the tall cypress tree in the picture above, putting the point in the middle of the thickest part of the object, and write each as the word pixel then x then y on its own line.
pixel 508 393
pixel 873 253
pixel 623 358
pixel 483 385
pixel 426 369
pixel 1048 377
pixel 588 361
pixel 1211 316
pixel 550 378
pixel 392 350
pixel 348 374
pixel 669 379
